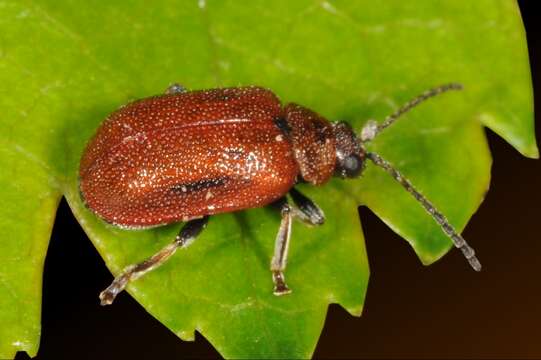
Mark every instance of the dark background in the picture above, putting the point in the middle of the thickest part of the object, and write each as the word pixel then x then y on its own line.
pixel 411 311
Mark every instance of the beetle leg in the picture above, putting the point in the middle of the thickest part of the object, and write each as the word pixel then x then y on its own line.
pixel 187 234
pixel 175 89
pixel 281 246
pixel 305 209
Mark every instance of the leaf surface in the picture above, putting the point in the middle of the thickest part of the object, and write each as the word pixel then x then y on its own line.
pixel 64 65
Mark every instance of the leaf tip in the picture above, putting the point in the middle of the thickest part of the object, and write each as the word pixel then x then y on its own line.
pixel 186 335
pixel 355 310
pixel 532 152
pixel 523 141
pixel 428 258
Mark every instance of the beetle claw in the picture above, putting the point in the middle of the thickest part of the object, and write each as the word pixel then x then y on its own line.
pixel 279 291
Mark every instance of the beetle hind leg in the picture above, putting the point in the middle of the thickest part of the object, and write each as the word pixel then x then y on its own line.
pixel 187 234
pixel 175 89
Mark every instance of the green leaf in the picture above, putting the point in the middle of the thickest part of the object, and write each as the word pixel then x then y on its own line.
pixel 64 65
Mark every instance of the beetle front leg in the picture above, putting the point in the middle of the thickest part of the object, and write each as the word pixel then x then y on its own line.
pixel 187 234
pixel 281 246
pixel 175 89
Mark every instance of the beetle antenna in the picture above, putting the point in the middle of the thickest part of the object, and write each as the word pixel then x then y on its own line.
pixel 447 228
pixel 372 128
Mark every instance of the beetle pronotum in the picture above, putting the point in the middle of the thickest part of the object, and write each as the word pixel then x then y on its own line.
pixel 186 155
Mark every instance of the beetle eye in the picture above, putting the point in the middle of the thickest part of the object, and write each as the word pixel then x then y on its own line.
pixel 351 166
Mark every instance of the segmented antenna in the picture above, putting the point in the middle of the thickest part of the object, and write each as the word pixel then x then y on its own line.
pixel 372 129
pixel 449 230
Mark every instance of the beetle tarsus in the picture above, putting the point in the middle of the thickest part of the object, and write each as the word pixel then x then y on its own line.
pixel 280 286
pixel 108 295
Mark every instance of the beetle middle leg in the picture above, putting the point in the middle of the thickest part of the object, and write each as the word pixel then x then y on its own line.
pixel 187 234
pixel 307 211
pixel 175 89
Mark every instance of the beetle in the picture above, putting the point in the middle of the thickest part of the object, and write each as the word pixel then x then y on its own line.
pixel 187 155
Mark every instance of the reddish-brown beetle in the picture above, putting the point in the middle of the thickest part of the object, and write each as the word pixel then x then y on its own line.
pixel 184 156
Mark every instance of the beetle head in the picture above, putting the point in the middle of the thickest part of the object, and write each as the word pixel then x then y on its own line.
pixel 350 155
